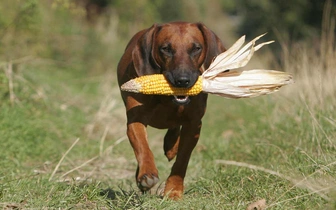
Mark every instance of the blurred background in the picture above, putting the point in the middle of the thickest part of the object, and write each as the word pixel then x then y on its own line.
pixel 95 32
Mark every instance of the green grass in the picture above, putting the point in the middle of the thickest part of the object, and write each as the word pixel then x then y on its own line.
pixel 266 133
pixel 280 148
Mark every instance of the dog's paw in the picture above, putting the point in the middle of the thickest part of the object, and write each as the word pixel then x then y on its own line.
pixel 174 194
pixel 174 187
pixel 147 181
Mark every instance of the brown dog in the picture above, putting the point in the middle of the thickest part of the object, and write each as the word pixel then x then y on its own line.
pixel 180 51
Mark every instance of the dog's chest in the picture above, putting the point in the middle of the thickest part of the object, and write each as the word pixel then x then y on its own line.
pixel 167 117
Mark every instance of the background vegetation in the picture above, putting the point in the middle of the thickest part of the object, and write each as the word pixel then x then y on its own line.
pixel 62 122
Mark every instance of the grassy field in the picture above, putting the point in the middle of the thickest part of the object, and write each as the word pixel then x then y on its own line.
pixel 63 143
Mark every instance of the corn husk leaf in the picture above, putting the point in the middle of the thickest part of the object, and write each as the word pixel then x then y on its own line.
pixel 234 57
pixel 246 84
pixel 221 80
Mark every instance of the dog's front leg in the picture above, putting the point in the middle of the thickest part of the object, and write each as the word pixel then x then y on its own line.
pixel 147 173
pixel 188 140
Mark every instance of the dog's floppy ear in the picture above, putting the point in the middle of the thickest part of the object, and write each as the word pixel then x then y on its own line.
pixel 144 62
pixel 214 45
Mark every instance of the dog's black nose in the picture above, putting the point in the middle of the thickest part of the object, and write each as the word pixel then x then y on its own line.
pixel 182 81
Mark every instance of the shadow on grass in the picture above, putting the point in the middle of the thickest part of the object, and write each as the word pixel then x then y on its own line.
pixel 113 194
pixel 122 199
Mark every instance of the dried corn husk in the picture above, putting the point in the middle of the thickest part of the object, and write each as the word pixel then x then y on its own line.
pixel 246 84
pixel 221 80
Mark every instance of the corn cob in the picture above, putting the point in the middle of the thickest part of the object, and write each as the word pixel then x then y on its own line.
pixel 157 84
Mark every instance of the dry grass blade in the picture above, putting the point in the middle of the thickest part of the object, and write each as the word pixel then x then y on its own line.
pixel 102 140
pixel 305 195
pixel 78 167
pixel 275 173
pixel 9 75
pixel 61 160
pixel 254 167
pixel 302 182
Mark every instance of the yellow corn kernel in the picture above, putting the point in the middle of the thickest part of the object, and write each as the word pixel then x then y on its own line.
pixel 157 84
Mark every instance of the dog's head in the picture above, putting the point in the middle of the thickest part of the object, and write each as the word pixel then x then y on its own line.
pixel 178 50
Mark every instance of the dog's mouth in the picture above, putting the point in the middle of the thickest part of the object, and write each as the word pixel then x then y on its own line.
pixel 181 100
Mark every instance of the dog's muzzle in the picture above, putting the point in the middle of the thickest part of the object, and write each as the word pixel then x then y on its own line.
pixel 181 80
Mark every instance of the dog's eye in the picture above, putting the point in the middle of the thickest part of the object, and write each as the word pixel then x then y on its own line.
pixel 167 50
pixel 196 49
